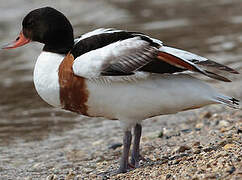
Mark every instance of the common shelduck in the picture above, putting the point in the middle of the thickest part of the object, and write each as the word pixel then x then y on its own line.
pixel 116 74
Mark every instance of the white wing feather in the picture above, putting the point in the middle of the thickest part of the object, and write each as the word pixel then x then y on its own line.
pixel 91 64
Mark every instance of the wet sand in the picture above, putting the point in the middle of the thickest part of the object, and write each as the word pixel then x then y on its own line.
pixel 39 142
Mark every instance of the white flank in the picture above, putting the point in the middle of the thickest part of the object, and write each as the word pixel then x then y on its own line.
pixel 132 101
pixel 46 79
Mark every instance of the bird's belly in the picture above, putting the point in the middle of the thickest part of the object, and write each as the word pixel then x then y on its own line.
pixel 147 98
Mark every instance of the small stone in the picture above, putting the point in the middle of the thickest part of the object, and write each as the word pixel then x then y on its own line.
pixel 197 151
pixel 230 170
pixel 210 176
pixel 115 146
pixel 223 143
pixel 207 115
pixel 223 123
pixel 79 177
pixel 208 149
pixel 167 137
pixel 87 170
pixel 154 174
pixel 197 143
pixel 105 177
pixel 27 178
pixel 197 129
pixel 239 131
pixel 51 177
pixel 183 148
pixel 199 125
pixel 70 175
pixel 167 131
pixel 37 166
pixel 223 129
pixel 229 146
pixel 215 116
pixel 222 154
pixel 100 158
pixel 186 130
pixel 168 176
pixel 161 134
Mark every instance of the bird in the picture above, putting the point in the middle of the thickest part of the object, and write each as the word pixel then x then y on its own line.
pixel 117 74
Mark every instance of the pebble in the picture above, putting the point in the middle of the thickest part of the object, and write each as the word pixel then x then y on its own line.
pixel 168 176
pixel 186 130
pixel 229 146
pixel 199 125
pixel 161 134
pixel 167 131
pixel 87 170
pixel 37 166
pixel 215 116
pixel 197 143
pixel 181 149
pixel 70 175
pixel 51 177
pixel 208 149
pixel 197 129
pixel 206 115
pixel 197 151
pixel 223 123
pixel 230 170
pixel 115 146
pixel 239 131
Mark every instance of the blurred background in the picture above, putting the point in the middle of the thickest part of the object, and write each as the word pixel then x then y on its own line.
pixel 32 133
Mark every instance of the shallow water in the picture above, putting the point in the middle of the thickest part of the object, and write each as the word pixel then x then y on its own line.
pixel 31 130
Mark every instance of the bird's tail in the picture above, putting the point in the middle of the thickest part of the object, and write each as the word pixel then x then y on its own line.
pixel 186 60
pixel 229 101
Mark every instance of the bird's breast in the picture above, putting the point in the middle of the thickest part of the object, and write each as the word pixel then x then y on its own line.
pixel 46 78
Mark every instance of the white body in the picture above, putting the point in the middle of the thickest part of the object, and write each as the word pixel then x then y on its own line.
pixel 130 98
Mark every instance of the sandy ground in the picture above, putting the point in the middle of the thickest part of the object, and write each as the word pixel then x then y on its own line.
pixel 207 146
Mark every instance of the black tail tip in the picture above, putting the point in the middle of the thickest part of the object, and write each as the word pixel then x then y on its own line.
pixel 234 101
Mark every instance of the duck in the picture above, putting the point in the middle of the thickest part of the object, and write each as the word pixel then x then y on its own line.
pixel 117 74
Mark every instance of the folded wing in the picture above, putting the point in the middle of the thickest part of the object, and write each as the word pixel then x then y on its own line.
pixel 140 53
pixel 121 58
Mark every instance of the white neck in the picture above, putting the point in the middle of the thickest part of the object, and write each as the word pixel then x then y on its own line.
pixel 46 78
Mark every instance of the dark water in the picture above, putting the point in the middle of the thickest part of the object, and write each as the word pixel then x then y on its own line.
pixel 31 130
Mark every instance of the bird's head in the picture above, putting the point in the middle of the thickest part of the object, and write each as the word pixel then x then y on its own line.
pixel 48 26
